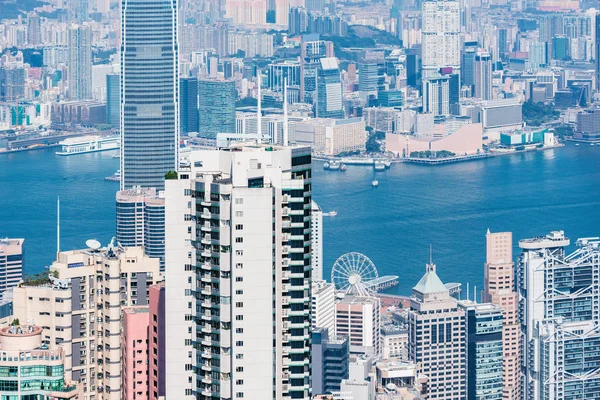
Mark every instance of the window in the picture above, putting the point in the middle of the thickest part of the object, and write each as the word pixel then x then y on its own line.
pixel 239 292
pixel 239 265
pixel 239 213
pixel 239 252
pixel 239 304
pixel 239 317
pixel 239 240
pixel 239 369
pixel 239 343
pixel 239 381
pixel 239 279
pixel 239 330
pixel 239 227
pixel 239 356
pixel 239 200
pixel 239 395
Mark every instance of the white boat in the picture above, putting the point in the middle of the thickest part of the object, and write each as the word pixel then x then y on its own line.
pixel 334 166
pixel 326 165
pixel 576 144
pixel 88 144
pixel 379 165
pixel 330 214
pixel 116 177
pixel 592 144
pixel 375 183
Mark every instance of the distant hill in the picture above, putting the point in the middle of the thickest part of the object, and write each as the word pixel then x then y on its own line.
pixel 10 9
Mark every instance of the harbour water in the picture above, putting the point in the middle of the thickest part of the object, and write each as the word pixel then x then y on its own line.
pixel 449 207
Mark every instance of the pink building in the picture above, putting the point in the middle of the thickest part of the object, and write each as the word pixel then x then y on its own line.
pixel 157 341
pixel 134 361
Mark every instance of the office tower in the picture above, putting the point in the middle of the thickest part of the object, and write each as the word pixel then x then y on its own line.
pixel 467 70
pixel 150 89
pixel 217 107
pixel 538 55
pixel 188 105
pixel 503 43
pixel 358 318
pixel 394 342
pixel 141 221
pixel 597 50
pixel 11 263
pixel 298 21
pixel 311 52
pixel 80 309
pixel 246 260
pixel 561 47
pixel 12 78
pixel 113 99
pixel 329 90
pixel 440 36
pixel 283 71
pixel 330 361
pixel 316 247
pixel 34 32
pixel 134 353
pixel 367 78
pixel 156 340
pixel 558 298
pixel 436 95
pixel 80 62
pixel 484 350
pixel 499 289
pixel 436 327
pixel 27 365
pixel 483 75
pixel 413 75
pixel 323 305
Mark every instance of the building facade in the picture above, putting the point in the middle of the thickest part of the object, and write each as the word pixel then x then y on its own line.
pixel 141 221
pixel 240 242
pixel 150 92
pixel 11 263
pixel 329 90
pixel 156 341
pixel 80 306
pixel 217 107
pixel 316 236
pixel 358 318
pixel 436 328
pixel 483 75
pixel 80 62
pixel 134 353
pixel 440 36
pixel 29 370
pixel 323 305
pixel 499 289
pixel 113 99
pixel 330 361
pixel 188 105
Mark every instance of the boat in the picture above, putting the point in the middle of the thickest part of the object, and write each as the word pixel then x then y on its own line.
pixel 375 183
pixel 334 166
pixel 330 214
pixel 576 144
pixel 379 165
pixel 592 144
pixel 343 167
pixel 116 177
pixel 326 165
pixel 88 144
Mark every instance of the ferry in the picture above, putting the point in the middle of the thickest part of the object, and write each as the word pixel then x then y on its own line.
pixel 88 144
pixel 379 165
pixel 375 183
pixel 334 166
pixel 330 214
pixel 326 165
pixel 116 177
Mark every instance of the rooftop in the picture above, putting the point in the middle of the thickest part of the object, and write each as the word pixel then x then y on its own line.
pixel 430 282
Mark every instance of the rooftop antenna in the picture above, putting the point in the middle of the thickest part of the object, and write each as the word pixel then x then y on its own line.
pixel 285 113
pixel 57 227
pixel 431 265
pixel 467 291
pixel 475 293
pixel 259 110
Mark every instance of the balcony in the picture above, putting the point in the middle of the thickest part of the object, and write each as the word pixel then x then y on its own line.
pixel 206 354
pixel 206 227
pixel 206 239
pixel 285 249
pixel 206 214
pixel 206 367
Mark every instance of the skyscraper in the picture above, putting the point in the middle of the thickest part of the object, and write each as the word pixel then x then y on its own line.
pixel 436 95
pixel 150 89
pixel 367 78
pixel 239 273
pixel 113 99
pixel 329 90
pixel 467 68
pixel 436 328
pixel 217 107
pixel 440 36
pixel 358 318
pixel 323 305
pixel 188 103
pixel 559 315
pixel 80 62
pixel 141 221
pixel 11 263
pixel 500 290
pixel 597 50
pixel 330 361
pixel 483 75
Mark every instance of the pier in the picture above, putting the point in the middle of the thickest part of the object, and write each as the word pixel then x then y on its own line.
pixel 383 282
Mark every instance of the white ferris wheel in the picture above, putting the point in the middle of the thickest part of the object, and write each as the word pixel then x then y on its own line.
pixel 354 273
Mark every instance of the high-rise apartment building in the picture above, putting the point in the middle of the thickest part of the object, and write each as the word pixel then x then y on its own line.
pixel 436 337
pixel 558 298
pixel 499 281
pixel 238 274
pixel 311 51
pixel 31 370
pixel 12 78
pixel 150 91
pixel 156 341
pixel 323 305
pixel 34 33
pixel 440 36
pixel 113 99
pixel 358 318
pixel 11 263
pixel 316 237
pixel 217 107
pixel 483 75
pixel 436 95
pixel 134 353
pixel 484 350
pixel 80 306
pixel 188 105
pixel 597 50
pixel 80 62
pixel 141 221
pixel 329 89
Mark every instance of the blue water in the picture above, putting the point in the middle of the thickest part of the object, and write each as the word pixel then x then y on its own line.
pixel 449 207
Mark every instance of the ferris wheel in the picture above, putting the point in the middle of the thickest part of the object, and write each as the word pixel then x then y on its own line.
pixel 354 273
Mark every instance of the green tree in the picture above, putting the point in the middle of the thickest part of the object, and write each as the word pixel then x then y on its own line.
pixel 171 175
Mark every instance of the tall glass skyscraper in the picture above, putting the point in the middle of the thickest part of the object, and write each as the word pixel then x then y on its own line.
pixel 188 105
pixel 149 92
pixel 113 101
pixel 329 90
